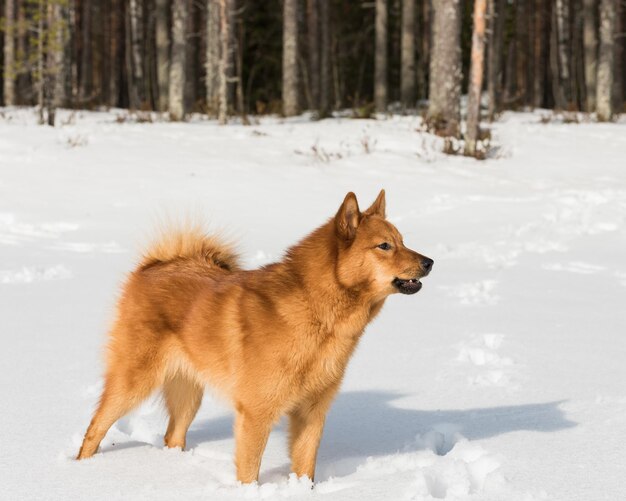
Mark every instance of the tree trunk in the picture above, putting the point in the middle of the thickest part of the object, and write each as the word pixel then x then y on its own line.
pixel 9 54
pixel 540 52
pixel 444 111
pixel 476 78
pixel 605 61
pixel 560 101
pixel 618 69
pixel 522 45
pixel 54 61
pixel 496 10
pixel 314 51
pixel 40 80
pixel 325 70
pixel 562 23
pixel 407 73
pixel 290 58
pixel 85 87
pixel 424 53
pixel 135 15
pixel 225 60
pixel 176 98
pixel 212 61
pixel 380 61
pixel 23 84
pixel 114 54
pixel 239 71
pixel 162 52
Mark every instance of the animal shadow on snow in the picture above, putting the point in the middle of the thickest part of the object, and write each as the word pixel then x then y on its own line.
pixel 367 423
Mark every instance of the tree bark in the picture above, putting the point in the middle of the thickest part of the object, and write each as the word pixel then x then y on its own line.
pixel 380 61
pixel 562 23
pixel 618 57
pixel 212 61
pixel 162 52
pixel 9 54
pixel 114 54
pixel 424 52
pixel 176 99
pixel 325 69
pixel 496 15
pixel 135 15
pixel 476 78
pixel 290 58
pixel 54 85
pixel 86 84
pixel 522 45
pixel 605 61
pixel 407 69
pixel 314 51
pixel 557 88
pixel 225 59
pixel 444 110
pixel 540 53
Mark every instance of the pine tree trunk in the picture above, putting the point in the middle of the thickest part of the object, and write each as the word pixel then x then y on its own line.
pixel 476 78
pixel 39 77
pixel 540 17
pixel 212 61
pixel 23 83
pixel 325 69
pixel 496 15
pixel 314 51
pixel 85 88
pixel 114 53
pixel 618 69
pixel 380 58
pixel 135 15
pixel 9 54
pixel 562 23
pixel 424 52
pixel 162 52
pixel 605 61
pixel 176 99
pixel 522 46
pixel 407 73
pixel 557 88
pixel 54 61
pixel 444 111
pixel 225 60
pixel 290 58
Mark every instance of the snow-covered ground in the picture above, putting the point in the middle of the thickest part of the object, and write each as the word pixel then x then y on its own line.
pixel 503 379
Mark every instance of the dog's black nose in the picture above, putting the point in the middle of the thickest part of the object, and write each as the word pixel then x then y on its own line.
pixel 427 265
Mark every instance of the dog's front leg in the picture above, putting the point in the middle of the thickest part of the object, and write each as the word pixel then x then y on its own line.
pixel 251 432
pixel 306 424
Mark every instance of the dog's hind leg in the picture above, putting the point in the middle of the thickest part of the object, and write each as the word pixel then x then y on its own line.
pixel 120 396
pixel 183 397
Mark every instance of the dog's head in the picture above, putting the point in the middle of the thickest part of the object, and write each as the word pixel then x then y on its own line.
pixel 372 253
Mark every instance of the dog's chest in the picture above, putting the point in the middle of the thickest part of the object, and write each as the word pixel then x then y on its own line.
pixel 325 362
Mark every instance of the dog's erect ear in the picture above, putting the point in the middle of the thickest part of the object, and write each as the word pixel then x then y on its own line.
pixel 348 217
pixel 378 207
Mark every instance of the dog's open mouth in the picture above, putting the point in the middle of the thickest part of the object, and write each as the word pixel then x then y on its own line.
pixel 407 286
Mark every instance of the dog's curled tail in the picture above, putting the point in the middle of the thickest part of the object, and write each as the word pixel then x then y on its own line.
pixel 190 243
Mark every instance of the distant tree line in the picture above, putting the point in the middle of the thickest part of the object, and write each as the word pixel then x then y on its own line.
pixel 241 57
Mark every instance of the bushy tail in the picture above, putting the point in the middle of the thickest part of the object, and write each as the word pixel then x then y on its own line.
pixel 190 244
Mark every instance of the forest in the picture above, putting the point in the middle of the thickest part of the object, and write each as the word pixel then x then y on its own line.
pixel 230 58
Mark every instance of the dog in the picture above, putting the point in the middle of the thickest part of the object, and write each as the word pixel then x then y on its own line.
pixel 272 341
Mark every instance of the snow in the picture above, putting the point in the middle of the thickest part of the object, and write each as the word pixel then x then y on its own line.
pixel 503 379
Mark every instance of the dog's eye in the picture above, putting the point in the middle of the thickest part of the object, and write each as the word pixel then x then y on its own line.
pixel 384 246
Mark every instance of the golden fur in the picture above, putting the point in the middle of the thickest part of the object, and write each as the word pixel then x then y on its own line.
pixel 272 341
